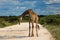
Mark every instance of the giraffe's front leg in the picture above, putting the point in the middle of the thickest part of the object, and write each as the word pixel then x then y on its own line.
pixel 29 29
pixel 37 28
pixel 32 29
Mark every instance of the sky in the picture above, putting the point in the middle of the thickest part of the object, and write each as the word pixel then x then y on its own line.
pixel 40 7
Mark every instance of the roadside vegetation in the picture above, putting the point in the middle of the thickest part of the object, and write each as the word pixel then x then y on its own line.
pixel 51 22
pixel 7 21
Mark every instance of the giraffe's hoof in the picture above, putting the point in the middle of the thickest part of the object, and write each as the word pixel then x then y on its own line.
pixel 37 35
pixel 29 36
pixel 32 35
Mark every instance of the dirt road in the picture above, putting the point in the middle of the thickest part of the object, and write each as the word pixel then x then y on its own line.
pixel 20 32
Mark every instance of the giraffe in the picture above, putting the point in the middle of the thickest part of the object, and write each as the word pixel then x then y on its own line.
pixel 32 18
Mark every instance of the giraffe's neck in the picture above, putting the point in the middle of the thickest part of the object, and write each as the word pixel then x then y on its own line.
pixel 23 14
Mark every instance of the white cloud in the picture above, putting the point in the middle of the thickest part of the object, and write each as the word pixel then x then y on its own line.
pixel 33 3
pixel 52 1
pixel 9 2
pixel 38 9
pixel 29 3
pixel 52 10
pixel 57 0
pixel 22 7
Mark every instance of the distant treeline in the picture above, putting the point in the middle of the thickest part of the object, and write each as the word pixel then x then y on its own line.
pixel 43 19
pixel 49 19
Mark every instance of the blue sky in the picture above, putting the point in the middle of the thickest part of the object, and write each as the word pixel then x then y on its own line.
pixel 17 7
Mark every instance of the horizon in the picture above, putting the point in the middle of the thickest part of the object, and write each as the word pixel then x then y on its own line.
pixel 27 15
pixel 40 7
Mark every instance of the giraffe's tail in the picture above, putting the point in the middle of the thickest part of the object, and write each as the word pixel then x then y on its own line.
pixel 38 27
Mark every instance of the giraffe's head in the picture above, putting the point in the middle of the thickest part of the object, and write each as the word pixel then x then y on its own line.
pixel 19 19
pixel 30 10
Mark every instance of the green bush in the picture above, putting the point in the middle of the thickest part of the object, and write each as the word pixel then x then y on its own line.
pixel 52 19
pixel 48 19
pixel 54 30
pixel 7 21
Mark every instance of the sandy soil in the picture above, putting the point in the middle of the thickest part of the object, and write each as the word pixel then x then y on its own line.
pixel 20 32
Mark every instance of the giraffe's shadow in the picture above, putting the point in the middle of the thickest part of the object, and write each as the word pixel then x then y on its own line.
pixel 20 36
pixel 7 37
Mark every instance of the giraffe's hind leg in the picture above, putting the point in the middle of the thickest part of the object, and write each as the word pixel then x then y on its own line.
pixel 36 28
